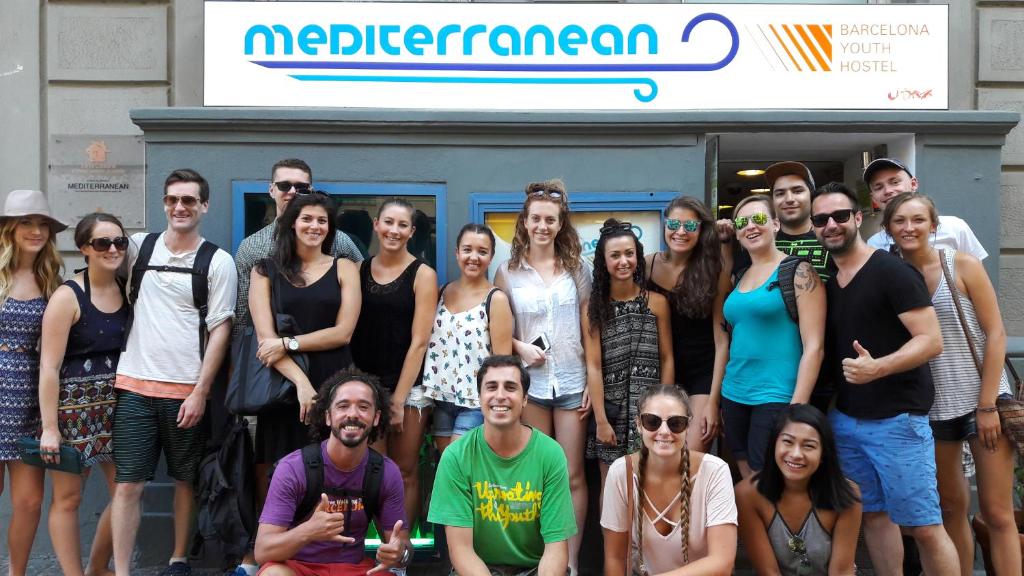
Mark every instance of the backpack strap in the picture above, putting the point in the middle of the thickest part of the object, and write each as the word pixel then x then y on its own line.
pixel 313 463
pixel 785 283
pixel 201 289
pixel 372 479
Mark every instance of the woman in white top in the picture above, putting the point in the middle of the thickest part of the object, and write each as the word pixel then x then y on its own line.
pixel 548 286
pixel 965 401
pixel 683 516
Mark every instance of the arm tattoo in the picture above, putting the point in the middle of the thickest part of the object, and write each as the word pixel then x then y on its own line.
pixel 806 281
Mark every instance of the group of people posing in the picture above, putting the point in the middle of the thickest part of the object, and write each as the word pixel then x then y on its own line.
pixel 640 361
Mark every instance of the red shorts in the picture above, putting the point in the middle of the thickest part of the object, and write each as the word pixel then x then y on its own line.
pixel 300 568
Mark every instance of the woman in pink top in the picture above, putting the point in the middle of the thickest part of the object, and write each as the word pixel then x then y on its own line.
pixel 683 518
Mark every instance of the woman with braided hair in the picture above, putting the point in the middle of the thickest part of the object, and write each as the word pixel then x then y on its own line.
pixel 681 519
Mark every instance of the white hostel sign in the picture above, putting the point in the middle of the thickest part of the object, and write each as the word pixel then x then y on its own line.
pixel 576 56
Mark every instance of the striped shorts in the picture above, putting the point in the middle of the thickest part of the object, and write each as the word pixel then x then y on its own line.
pixel 143 428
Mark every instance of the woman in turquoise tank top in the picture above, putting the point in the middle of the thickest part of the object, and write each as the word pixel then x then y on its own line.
pixel 773 361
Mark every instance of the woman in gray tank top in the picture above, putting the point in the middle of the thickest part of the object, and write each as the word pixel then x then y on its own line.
pixel 800 515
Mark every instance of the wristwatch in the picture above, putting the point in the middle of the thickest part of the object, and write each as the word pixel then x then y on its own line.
pixel 291 343
pixel 406 556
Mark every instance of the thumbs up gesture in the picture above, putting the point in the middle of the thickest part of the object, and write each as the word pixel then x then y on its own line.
pixel 326 526
pixel 862 369
pixel 390 554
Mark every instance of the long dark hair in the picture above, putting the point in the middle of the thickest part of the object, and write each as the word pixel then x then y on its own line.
pixel 600 307
pixel 568 247
pixel 828 488
pixel 696 288
pixel 284 256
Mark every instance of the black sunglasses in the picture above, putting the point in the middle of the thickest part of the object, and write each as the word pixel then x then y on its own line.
pixel 840 216
pixel 620 227
pixel 652 422
pixel 300 187
pixel 103 244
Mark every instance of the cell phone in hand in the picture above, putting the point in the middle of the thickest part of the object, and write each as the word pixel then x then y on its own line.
pixel 542 342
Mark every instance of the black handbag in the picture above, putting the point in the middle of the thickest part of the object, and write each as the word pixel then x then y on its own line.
pixel 253 387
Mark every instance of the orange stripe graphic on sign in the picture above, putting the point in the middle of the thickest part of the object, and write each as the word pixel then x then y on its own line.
pixel 783 44
pixel 798 48
pixel 824 40
pixel 811 48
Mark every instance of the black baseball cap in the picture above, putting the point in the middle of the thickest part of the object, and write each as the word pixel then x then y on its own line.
pixel 790 168
pixel 883 164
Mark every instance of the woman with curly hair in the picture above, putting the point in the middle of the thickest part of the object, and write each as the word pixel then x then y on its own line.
pixel 29 275
pixel 690 274
pixel 548 286
pixel 681 516
pixel 628 336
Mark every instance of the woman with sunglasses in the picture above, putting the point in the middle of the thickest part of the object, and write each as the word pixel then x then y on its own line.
pixel 773 361
pixel 473 321
pixel 967 382
pixel 690 275
pixel 628 336
pixel 321 292
pixel 83 328
pixel 799 515
pixel 548 286
pixel 681 517
pixel 399 300
pixel 29 275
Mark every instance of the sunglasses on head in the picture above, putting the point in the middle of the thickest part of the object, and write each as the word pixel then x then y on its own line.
pixel 171 200
pixel 300 187
pixel 840 216
pixel 741 222
pixel 620 227
pixel 687 225
pixel 103 244
pixel 652 422
pixel 545 192
pixel 797 546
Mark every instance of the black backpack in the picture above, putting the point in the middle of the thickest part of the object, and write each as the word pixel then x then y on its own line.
pixel 787 272
pixel 226 492
pixel 313 463
pixel 200 285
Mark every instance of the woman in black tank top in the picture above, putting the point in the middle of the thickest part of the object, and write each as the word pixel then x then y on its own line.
pixel 689 273
pixel 399 299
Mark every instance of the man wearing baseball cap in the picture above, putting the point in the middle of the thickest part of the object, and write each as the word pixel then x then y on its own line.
pixel 886 178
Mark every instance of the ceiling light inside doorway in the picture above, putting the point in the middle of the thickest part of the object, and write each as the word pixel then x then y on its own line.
pixel 759 190
pixel 750 172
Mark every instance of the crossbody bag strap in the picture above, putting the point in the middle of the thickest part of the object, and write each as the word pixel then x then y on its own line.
pixel 630 505
pixel 959 310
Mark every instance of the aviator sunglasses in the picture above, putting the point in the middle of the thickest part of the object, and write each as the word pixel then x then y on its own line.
pixel 103 244
pixel 741 222
pixel 840 216
pixel 652 422
pixel 171 201
pixel 300 187
pixel 687 225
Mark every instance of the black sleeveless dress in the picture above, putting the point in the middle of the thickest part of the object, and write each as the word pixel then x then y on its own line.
pixel 315 307
pixel 693 344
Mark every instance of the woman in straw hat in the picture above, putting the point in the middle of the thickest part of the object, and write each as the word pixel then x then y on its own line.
pixel 29 274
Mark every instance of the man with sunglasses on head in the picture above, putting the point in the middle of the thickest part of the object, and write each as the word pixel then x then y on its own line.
pixel 502 489
pixel 288 178
pixel 886 178
pixel 168 364
pixel 882 330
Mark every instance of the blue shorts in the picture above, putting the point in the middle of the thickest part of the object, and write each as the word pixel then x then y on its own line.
pixel 893 462
pixel 564 402
pixel 451 419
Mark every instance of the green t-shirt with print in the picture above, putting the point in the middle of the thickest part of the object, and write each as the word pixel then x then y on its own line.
pixel 514 505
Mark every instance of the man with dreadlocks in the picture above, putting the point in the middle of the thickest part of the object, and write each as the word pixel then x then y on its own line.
pixel 667 509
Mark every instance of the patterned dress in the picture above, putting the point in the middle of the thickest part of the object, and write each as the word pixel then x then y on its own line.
pixel 630 362
pixel 21 322
pixel 85 415
pixel 459 343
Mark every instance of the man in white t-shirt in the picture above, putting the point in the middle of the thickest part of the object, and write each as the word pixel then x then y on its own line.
pixel 886 178
pixel 168 366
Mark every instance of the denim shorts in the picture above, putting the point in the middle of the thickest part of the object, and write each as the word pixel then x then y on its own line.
pixel 893 462
pixel 564 402
pixel 417 398
pixel 451 419
pixel 748 429
pixel 955 429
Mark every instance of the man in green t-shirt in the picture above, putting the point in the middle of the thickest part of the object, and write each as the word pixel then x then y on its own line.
pixel 502 489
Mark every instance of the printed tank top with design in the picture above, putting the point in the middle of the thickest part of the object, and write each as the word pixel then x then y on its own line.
pixel 96 333
pixel 693 341
pixel 459 343
pixel 806 552
pixel 315 307
pixel 384 331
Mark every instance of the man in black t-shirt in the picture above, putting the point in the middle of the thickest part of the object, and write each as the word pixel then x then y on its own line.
pixel 881 331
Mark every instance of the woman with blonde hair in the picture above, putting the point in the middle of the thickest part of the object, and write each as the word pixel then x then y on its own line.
pixel 29 274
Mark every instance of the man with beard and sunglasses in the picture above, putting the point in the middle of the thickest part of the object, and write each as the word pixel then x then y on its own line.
pixel 329 541
pixel 881 330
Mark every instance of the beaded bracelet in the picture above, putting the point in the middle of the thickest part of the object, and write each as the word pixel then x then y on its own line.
pixel 987 409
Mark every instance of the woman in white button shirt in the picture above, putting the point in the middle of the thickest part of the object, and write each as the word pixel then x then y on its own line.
pixel 548 286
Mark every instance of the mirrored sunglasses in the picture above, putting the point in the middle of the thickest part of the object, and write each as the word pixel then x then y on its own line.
pixel 741 222
pixel 687 225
